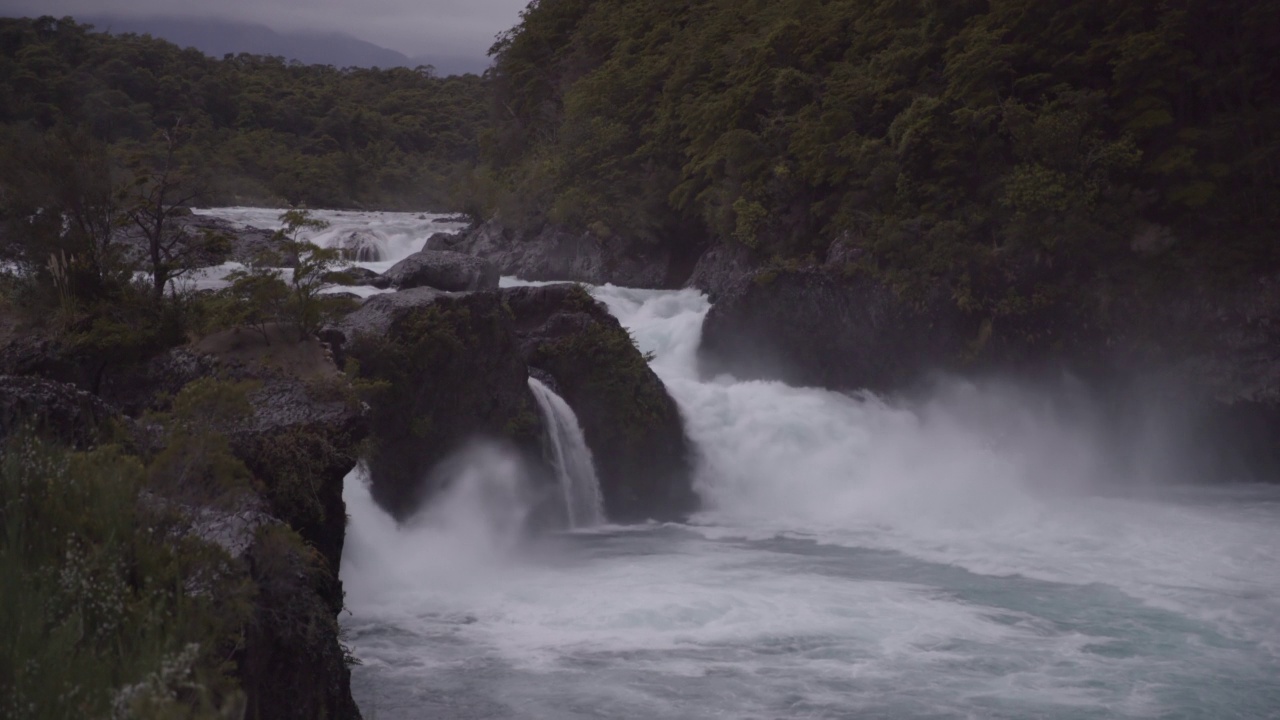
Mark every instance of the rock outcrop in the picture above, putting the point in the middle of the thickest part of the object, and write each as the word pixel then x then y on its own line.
pixel 631 424
pixel 449 370
pixel 720 268
pixel 831 329
pixel 243 244
pixel 554 253
pixel 443 270
pixel 299 443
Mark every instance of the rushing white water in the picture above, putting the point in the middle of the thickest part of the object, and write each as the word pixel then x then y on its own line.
pixel 575 469
pixel 956 558
pixel 394 235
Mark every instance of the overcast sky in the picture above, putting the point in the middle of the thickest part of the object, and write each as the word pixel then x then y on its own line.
pixel 414 27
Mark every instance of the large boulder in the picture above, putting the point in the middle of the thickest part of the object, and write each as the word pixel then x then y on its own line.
pixel 631 424
pixel 556 253
pixel 831 329
pixel 450 371
pixel 443 270
pixel 721 267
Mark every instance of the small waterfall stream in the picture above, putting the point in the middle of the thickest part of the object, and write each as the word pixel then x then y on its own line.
pixel 571 457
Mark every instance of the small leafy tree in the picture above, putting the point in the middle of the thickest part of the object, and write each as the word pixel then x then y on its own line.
pixel 156 197
pixel 307 306
pixel 256 297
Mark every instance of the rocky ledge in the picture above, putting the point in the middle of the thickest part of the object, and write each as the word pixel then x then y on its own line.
pixel 551 252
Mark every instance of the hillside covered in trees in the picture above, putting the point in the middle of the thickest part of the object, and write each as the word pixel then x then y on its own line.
pixel 254 129
pixel 1000 148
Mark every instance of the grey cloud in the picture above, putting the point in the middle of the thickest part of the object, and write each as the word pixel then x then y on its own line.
pixel 451 27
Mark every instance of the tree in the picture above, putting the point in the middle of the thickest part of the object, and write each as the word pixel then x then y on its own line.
pixel 153 201
pixel 308 308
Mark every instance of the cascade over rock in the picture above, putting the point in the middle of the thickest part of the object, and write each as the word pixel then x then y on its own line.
pixel 631 424
pixel 451 371
pixel 361 246
pixel 443 270
pixel 571 458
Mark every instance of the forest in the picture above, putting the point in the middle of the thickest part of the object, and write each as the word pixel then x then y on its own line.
pixel 254 129
pixel 1002 148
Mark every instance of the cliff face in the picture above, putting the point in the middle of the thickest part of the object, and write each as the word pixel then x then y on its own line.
pixel 283 533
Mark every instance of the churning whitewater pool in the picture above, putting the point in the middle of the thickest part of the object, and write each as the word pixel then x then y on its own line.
pixel 855 560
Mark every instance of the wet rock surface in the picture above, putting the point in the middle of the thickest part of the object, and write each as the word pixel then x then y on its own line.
pixel 633 427
pixel 443 270
pixel 451 372
pixel 554 253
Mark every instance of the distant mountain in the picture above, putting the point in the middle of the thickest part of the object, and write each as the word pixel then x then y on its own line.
pixel 219 37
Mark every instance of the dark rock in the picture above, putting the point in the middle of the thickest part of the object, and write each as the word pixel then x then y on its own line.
pixel 291 665
pixel 352 276
pixel 553 253
pixel 300 442
pixel 631 424
pixel 348 296
pixel 835 330
pixel 720 267
pixel 53 409
pixel 452 373
pixel 443 270
pixel 375 317
pixel 443 241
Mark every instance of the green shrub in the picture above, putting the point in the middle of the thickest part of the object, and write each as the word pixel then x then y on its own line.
pixel 110 610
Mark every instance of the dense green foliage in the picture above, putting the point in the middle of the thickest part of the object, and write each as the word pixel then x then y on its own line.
pixel 262 130
pixel 258 296
pixel 989 144
pixel 111 609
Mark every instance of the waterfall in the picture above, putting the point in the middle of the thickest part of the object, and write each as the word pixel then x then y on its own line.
pixel 571 457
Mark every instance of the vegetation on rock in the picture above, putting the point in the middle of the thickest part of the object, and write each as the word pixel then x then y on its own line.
pixel 442 371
